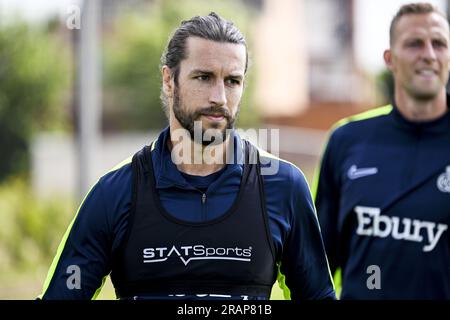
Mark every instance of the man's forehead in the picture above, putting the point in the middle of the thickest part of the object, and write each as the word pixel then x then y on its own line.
pixel 422 24
pixel 209 54
pixel 201 44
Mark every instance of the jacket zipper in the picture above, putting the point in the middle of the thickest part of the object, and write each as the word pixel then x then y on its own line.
pixel 203 206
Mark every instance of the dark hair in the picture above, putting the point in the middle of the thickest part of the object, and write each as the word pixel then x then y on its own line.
pixel 210 27
pixel 412 8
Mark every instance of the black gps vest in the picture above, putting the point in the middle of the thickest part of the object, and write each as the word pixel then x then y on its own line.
pixel 161 255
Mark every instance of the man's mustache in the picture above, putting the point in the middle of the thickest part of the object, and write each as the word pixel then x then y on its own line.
pixel 213 111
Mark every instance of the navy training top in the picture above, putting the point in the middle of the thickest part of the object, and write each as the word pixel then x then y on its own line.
pixel 101 222
pixel 383 202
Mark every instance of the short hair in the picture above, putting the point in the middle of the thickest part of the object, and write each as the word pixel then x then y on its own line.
pixel 210 27
pixel 412 8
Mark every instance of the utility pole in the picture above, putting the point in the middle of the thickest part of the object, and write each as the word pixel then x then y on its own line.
pixel 89 94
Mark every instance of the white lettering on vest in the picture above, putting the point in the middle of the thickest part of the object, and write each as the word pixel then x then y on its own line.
pixel 372 223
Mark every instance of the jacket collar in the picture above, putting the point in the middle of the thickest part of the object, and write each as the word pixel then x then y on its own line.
pixel 167 174
pixel 439 125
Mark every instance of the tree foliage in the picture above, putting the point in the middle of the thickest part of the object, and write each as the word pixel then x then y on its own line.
pixel 32 82
pixel 30 228
pixel 385 85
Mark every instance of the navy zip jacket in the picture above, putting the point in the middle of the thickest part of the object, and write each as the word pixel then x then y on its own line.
pixel 101 223
pixel 383 202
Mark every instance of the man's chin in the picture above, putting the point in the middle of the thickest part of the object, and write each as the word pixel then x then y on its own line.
pixel 426 95
pixel 214 136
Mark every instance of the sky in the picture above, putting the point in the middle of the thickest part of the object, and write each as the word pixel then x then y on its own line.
pixel 372 18
pixel 35 10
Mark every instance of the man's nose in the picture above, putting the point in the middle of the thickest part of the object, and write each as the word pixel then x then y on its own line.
pixel 428 52
pixel 218 95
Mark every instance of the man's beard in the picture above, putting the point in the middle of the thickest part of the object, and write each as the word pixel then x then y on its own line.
pixel 187 119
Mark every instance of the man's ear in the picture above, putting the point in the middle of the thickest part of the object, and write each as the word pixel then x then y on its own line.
pixel 168 83
pixel 448 60
pixel 387 56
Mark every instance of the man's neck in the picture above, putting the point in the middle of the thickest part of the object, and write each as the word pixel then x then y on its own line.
pixel 421 110
pixel 200 169
pixel 198 160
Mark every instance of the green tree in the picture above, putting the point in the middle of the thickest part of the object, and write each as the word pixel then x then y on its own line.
pixel 132 53
pixel 32 76
pixel 385 84
pixel 30 231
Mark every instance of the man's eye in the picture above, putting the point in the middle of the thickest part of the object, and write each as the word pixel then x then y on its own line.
pixel 439 44
pixel 202 78
pixel 414 44
pixel 233 82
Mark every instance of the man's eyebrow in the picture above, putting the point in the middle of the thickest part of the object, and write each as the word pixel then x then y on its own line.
pixel 208 72
pixel 201 71
pixel 236 76
pixel 439 37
